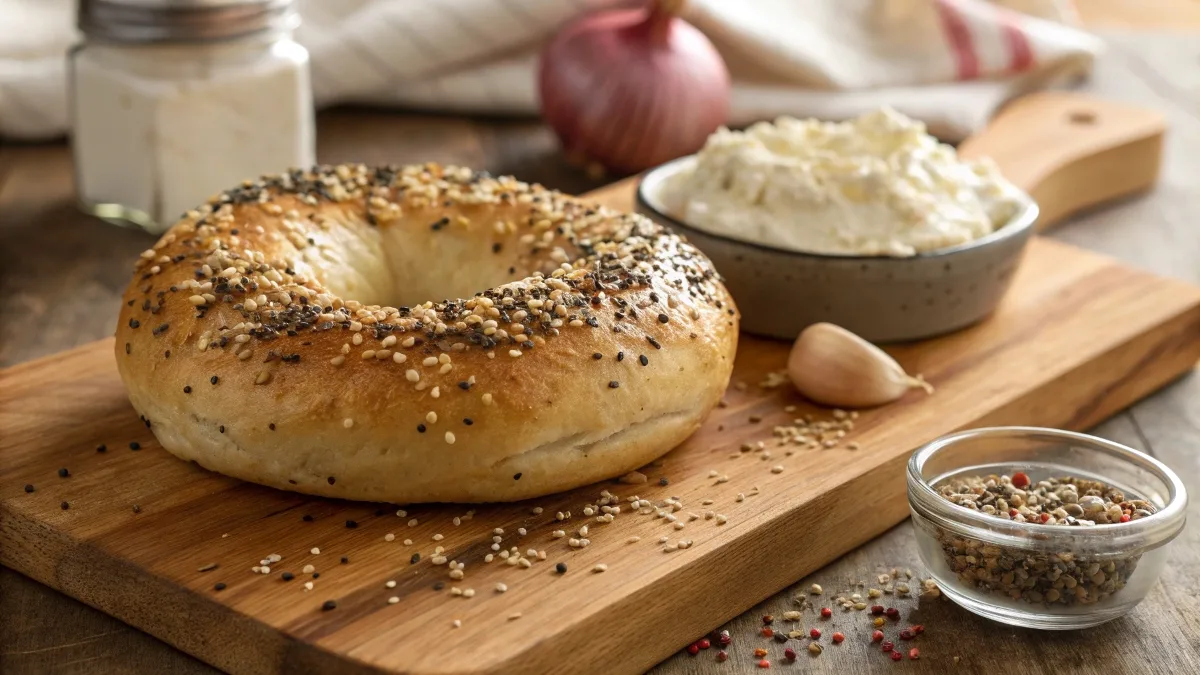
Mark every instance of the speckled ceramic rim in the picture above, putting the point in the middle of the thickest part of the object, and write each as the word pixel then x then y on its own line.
pixel 1159 528
pixel 650 182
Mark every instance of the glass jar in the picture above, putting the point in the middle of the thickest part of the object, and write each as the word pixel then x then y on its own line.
pixel 1042 575
pixel 173 101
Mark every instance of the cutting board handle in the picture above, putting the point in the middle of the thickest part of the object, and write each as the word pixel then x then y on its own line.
pixel 1071 151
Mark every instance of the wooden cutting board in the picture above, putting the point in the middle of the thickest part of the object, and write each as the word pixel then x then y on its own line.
pixel 1079 337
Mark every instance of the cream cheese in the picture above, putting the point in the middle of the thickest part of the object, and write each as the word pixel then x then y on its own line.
pixel 875 185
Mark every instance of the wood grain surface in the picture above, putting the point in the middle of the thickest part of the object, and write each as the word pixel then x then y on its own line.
pixel 41 631
pixel 1078 337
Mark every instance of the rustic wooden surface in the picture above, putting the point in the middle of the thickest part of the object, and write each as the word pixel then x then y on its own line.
pixel 41 631
pixel 1078 338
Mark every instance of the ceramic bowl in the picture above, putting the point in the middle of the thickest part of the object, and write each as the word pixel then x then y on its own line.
pixel 882 299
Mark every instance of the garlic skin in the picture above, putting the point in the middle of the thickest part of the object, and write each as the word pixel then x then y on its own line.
pixel 831 366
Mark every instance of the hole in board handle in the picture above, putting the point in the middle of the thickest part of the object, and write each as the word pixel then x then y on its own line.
pixel 1081 117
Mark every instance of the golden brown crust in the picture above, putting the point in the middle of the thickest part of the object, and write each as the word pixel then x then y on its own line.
pixel 240 343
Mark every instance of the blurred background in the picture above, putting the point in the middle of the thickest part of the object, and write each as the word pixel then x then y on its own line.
pixel 128 112
pixel 168 101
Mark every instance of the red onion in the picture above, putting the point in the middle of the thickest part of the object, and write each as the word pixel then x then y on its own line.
pixel 632 89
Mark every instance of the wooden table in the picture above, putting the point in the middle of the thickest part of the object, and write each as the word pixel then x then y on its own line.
pixel 65 272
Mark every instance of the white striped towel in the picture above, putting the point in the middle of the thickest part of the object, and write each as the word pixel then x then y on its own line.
pixel 948 62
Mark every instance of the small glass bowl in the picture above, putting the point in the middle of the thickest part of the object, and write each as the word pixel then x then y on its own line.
pixel 1042 576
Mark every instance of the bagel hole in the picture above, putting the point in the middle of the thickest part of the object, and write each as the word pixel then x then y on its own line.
pixel 402 266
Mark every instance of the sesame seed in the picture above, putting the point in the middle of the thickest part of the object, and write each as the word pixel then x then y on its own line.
pixel 450 437
pixel 600 567
pixel 393 600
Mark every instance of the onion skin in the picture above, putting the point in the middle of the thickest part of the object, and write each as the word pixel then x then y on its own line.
pixel 632 89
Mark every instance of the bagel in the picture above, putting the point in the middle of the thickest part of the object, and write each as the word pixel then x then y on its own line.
pixel 284 333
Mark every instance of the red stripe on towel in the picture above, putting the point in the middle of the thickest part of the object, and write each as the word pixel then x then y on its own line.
pixel 959 37
pixel 1021 54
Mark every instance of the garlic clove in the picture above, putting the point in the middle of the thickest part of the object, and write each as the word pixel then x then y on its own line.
pixel 832 366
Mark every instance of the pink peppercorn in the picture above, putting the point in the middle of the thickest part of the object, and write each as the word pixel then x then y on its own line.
pixel 767 631
pixel 704 643
pixel 896 656
pixel 764 664
pixel 906 634
pixel 888 645
pixel 693 649
pixel 892 613
pixel 724 639
pixel 917 629
pixel 877 636
pixel 789 654
pixel 914 653
pixel 814 634
pixel 722 656
pixel 838 637
pixel 826 612
pixel 877 609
